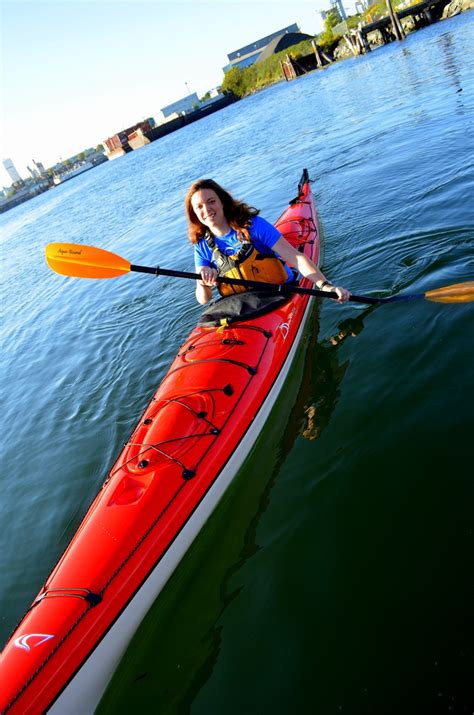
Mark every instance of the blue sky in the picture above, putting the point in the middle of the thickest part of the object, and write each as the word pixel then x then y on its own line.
pixel 75 73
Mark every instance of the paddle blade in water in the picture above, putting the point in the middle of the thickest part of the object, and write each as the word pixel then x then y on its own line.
pixel 74 259
pixel 458 293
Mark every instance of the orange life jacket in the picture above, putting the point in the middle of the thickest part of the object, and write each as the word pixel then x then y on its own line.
pixel 247 264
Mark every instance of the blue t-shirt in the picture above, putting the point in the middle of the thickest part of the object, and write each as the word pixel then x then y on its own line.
pixel 263 234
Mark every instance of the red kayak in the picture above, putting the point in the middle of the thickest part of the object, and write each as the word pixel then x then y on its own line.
pixel 187 448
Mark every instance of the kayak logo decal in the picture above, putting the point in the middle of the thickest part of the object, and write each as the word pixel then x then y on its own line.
pixel 31 640
pixel 284 328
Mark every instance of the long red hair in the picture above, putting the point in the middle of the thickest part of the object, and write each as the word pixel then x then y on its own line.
pixel 238 214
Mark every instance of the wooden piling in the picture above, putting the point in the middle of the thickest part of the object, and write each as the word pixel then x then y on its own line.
pixel 290 69
pixel 396 24
pixel 364 43
pixel 351 45
pixel 319 62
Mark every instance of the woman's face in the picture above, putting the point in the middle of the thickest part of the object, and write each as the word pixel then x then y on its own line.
pixel 209 210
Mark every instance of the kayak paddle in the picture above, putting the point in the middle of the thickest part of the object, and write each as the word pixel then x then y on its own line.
pixel 79 261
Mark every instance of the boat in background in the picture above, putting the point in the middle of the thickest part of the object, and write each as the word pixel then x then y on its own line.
pixel 66 175
pixel 191 442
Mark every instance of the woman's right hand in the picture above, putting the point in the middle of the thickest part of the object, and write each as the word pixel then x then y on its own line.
pixel 343 295
pixel 208 276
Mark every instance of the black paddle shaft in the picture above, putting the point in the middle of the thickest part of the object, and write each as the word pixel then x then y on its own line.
pixel 273 287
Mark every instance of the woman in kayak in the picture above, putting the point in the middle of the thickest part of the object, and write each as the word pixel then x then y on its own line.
pixel 231 239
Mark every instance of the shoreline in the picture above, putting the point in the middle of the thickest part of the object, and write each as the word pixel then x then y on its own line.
pixel 343 49
pixel 287 65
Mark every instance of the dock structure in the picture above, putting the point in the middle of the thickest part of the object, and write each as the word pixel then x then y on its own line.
pixel 391 28
pixel 364 38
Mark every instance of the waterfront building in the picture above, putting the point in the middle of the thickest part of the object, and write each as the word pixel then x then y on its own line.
pixel 181 106
pixel 137 139
pixel 119 144
pixel 12 172
pixel 246 56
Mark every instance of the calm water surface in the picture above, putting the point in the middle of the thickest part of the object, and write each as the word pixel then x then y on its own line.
pixel 336 575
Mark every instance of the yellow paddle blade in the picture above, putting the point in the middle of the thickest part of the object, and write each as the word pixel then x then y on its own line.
pixel 458 293
pixel 74 259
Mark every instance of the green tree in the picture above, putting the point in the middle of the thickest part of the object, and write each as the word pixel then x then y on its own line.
pixel 234 81
pixel 327 39
pixel 333 18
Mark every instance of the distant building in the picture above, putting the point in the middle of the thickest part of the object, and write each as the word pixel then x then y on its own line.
pixel 191 105
pixel 39 167
pixel 119 143
pixel 246 56
pixel 137 139
pixel 282 42
pixel 114 143
pixel 182 106
pixel 337 5
pixel 37 171
pixel 12 172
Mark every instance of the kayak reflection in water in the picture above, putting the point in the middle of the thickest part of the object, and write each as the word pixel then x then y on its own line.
pixel 229 236
pixel 328 375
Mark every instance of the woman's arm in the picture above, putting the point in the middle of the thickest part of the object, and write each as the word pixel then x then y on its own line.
pixel 290 255
pixel 307 268
pixel 204 286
